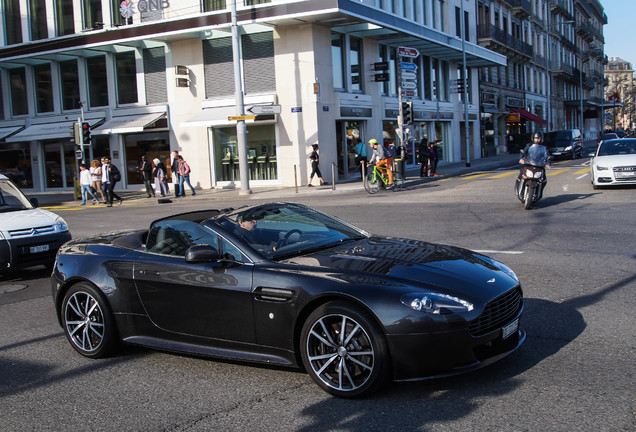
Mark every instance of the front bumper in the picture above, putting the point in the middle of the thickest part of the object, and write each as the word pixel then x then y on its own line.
pixel 30 251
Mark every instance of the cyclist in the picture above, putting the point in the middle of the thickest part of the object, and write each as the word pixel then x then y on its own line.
pixel 381 159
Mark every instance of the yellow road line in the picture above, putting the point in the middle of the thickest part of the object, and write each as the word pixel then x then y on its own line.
pixel 475 176
pixel 583 171
pixel 557 172
pixel 506 174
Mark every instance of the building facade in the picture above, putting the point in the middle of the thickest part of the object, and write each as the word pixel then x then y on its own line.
pixel 554 77
pixel 620 94
pixel 152 76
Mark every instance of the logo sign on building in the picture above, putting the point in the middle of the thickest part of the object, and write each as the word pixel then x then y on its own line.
pixel 408 52
pixel 127 7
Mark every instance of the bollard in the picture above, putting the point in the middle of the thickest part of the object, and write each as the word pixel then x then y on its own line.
pixel 333 176
pixel 362 170
pixel 295 179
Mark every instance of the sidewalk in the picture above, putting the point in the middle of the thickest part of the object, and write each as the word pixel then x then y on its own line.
pixel 445 170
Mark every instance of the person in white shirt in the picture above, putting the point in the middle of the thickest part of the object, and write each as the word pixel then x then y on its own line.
pixel 85 182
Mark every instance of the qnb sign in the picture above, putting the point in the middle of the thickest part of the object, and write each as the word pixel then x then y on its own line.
pixel 127 7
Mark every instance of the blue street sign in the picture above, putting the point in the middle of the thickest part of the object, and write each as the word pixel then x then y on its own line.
pixel 408 66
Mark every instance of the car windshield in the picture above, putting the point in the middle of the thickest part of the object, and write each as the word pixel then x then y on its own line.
pixel 609 136
pixel 283 230
pixel 11 198
pixel 617 147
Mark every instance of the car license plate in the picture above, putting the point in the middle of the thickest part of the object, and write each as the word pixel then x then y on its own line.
pixel 38 249
pixel 510 329
pixel 627 174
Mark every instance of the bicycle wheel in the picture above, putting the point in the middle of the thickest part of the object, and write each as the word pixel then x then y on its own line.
pixel 372 183
pixel 398 181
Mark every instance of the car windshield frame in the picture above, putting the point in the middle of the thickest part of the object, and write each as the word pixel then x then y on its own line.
pixel 12 198
pixel 287 230
pixel 617 147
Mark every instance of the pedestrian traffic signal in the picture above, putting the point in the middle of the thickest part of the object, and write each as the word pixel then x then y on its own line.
pixel 407 112
pixel 86 133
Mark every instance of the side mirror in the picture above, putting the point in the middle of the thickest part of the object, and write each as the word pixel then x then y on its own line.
pixel 199 254
pixel 592 155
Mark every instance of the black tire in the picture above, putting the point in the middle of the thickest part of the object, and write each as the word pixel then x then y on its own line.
pixel 87 321
pixel 398 181
pixel 350 363
pixel 527 199
pixel 372 183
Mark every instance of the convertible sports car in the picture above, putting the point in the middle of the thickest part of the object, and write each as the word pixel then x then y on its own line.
pixel 284 284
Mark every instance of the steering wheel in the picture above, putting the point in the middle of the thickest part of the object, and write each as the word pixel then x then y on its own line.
pixel 282 242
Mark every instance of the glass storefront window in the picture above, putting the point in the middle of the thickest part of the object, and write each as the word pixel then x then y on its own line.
pixel 261 153
pixel 43 87
pixel 15 163
pixel 348 134
pixel 337 43
pixel 97 83
pixel 355 59
pixel 17 78
pixel 70 85
pixel 64 20
pixel 153 145
pixel 126 77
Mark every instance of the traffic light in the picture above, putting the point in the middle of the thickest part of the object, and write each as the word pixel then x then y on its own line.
pixel 86 133
pixel 76 133
pixel 407 112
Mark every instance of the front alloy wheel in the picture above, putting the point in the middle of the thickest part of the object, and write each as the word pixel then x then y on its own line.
pixel 87 321
pixel 343 351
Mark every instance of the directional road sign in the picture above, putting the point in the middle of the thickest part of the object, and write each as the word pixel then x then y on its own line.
pixel 407 75
pixel 264 109
pixel 408 85
pixel 405 66
pixel 408 52
pixel 243 117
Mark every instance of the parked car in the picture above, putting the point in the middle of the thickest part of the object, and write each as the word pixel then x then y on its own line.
pixel 28 235
pixel 564 143
pixel 283 284
pixel 614 163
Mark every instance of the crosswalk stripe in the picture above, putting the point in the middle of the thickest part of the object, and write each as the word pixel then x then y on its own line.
pixel 503 174
pixel 557 172
pixel 583 171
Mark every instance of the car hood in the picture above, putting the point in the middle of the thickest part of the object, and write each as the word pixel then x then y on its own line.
pixel 615 160
pixel 23 219
pixel 412 263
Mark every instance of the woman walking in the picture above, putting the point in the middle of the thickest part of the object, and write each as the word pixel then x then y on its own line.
pixel 184 176
pixel 315 168
pixel 161 181
pixel 96 178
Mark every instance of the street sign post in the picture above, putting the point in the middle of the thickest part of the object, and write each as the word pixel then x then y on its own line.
pixel 264 109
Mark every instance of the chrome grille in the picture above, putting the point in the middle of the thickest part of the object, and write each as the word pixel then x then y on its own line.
pixel 30 232
pixel 498 312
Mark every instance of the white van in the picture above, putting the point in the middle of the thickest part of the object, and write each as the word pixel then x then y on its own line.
pixel 28 236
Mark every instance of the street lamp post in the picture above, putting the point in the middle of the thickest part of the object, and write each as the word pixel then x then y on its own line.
pixel 465 74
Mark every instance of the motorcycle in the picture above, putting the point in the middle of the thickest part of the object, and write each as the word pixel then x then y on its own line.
pixel 532 179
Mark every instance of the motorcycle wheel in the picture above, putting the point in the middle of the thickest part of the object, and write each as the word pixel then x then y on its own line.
pixel 527 203
pixel 519 189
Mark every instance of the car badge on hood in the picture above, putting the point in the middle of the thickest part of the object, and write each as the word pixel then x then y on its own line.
pixel 491 280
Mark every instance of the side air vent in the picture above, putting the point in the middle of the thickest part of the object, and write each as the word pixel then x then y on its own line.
pixel 277 295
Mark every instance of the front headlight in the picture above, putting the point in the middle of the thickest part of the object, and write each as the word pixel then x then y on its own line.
pixel 568 148
pixel 529 173
pixel 435 303
pixel 538 174
pixel 60 224
pixel 601 168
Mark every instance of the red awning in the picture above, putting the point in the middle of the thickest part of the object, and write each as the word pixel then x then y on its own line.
pixel 529 116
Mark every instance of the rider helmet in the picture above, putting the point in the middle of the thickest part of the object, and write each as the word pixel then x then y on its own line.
pixel 537 134
pixel 373 141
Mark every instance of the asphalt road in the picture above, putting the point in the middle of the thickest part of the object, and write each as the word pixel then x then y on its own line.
pixel 574 254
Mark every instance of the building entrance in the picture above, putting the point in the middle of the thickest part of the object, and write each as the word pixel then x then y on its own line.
pixel 348 134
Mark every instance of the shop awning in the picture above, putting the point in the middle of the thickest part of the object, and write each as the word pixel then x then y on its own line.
pixel 128 124
pixel 47 131
pixel 6 131
pixel 528 115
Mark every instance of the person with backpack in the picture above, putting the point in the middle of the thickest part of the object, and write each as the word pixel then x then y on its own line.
pixel 315 168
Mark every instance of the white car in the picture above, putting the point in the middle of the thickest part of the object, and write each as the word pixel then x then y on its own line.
pixel 614 163
pixel 28 236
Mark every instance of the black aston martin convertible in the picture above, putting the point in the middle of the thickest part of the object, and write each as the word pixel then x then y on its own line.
pixel 284 284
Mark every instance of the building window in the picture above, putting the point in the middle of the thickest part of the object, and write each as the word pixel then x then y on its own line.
pixel 12 21
pixel 69 78
pixel 117 19
pixel 1 104
pixel 426 78
pixel 43 87
pixel 37 10
pixel 15 163
pixel 355 59
pixel 337 60
pixel 17 83
pixel 217 67
pixel 258 62
pixel 126 77
pixel 93 14
pixel 256 2
pixel 213 5
pixel 97 81
pixel 64 21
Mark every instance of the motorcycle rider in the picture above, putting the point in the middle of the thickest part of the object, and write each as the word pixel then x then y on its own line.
pixel 539 154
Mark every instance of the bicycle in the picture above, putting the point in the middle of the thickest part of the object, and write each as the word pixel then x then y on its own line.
pixel 378 177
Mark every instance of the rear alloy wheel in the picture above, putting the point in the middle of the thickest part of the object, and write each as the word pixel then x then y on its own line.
pixel 87 321
pixel 343 351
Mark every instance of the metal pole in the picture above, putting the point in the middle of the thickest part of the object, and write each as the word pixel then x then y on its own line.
pixel 333 176
pixel 465 73
pixel 241 141
pixel 295 180
pixel 581 86
pixel 547 41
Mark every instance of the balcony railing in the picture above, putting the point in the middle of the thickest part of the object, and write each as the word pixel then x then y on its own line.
pixel 521 6
pixel 489 31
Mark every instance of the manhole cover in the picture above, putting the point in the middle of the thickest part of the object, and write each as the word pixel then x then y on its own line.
pixel 11 288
